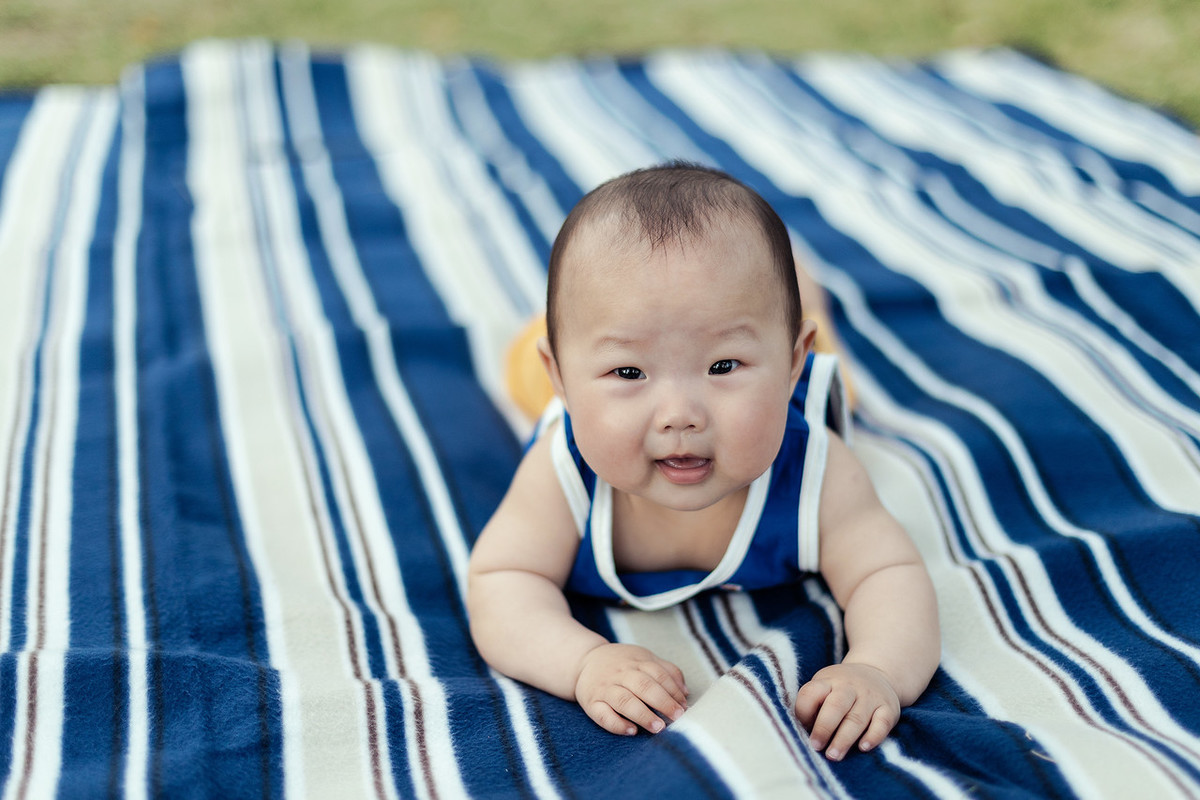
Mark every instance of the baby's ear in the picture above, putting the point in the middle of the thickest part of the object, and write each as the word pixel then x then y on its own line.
pixel 551 365
pixel 804 344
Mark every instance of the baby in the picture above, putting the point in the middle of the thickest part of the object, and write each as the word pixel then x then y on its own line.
pixel 692 450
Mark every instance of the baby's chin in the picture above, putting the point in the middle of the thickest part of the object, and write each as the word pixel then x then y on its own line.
pixel 693 498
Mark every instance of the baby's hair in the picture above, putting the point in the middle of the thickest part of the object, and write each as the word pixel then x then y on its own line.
pixel 671 204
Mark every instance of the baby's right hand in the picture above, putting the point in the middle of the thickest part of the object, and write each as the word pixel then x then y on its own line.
pixel 622 684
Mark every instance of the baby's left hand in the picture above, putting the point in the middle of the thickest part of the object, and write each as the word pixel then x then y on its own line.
pixel 843 702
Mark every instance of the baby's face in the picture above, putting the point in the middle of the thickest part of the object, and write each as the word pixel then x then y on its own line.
pixel 676 365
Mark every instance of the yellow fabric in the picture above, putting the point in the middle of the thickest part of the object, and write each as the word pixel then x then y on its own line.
pixel 525 375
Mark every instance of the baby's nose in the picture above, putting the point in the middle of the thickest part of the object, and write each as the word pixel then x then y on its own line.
pixel 681 412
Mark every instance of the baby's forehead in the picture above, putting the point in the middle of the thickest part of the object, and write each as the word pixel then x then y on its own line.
pixel 610 254
pixel 616 235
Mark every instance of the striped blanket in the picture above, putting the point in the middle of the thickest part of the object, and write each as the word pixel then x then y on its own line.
pixel 253 302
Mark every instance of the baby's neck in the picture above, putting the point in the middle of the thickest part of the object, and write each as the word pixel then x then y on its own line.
pixel 648 537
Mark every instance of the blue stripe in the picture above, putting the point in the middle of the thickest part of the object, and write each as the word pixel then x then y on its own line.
pixel 214 704
pixel 537 240
pixel 502 106
pixel 14 111
pixel 96 665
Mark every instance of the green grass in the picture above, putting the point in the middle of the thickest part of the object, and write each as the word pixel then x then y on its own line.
pixel 1148 49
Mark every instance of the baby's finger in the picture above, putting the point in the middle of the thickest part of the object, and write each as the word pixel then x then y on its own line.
pixel 830 718
pixel 670 678
pixel 604 716
pixel 853 724
pixel 646 686
pixel 679 691
pixel 882 722
pixel 631 706
pixel 809 700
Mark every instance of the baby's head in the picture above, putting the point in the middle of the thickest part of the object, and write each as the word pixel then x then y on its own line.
pixel 675 333
pixel 672 205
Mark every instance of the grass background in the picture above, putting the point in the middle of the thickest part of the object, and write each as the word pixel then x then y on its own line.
pixel 1147 49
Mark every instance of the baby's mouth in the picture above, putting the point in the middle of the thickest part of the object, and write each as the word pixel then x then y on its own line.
pixel 684 469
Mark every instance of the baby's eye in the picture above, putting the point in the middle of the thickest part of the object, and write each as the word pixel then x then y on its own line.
pixel 724 366
pixel 628 373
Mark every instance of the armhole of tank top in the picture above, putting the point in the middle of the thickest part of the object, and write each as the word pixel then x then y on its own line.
pixel 565 468
pixel 825 394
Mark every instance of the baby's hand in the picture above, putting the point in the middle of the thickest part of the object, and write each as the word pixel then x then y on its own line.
pixel 841 702
pixel 621 684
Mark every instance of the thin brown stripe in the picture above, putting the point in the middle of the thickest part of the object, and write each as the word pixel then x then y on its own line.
pixel 393 629
pixel 747 646
pixel 752 688
pixel 50 387
pixel 24 395
pixel 12 469
pixel 717 665
pixel 1108 677
pixel 353 647
pixel 339 462
pixel 25 380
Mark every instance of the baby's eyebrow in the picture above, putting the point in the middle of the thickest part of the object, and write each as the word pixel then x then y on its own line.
pixel 613 342
pixel 743 331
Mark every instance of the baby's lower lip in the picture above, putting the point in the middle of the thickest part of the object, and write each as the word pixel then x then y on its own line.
pixel 685 470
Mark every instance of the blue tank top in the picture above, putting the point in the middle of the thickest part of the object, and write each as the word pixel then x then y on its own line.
pixel 775 541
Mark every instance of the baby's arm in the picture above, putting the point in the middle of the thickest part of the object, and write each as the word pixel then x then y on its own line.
pixel 522 625
pixel 890 611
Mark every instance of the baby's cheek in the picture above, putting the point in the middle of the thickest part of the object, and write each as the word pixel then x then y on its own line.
pixel 605 442
pixel 756 438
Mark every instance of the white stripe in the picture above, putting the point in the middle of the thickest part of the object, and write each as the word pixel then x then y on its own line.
pixel 493 221
pixel 749 754
pixel 129 221
pixel 28 212
pixel 631 123
pixel 54 448
pixel 667 635
pixel 763 759
pixel 356 290
pixel 1153 199
pixel 324 737
pixel 286 269
pixel 1116 316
